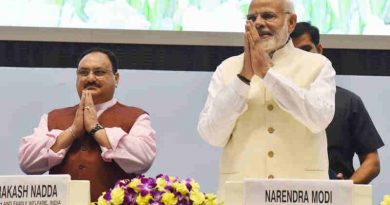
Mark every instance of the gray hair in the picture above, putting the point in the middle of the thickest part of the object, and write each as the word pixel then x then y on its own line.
pixel 287 5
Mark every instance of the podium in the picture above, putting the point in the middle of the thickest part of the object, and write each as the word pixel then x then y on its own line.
pixel 280 191
pixel 43 190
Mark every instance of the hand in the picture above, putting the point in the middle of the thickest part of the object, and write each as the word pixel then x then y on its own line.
pixel 260 60
pixel 247 70
pixel 90 116
pixel 77 126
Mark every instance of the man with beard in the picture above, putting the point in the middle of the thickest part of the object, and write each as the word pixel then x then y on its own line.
pixel 269 107
pixel 351 130
pixel 100 139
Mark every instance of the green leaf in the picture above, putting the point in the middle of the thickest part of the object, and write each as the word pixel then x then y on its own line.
pixel 137 4
pixel 147 11
pixel 79 6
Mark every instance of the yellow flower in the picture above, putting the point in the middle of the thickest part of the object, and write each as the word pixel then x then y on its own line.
pixel 169 199
pixel 195 186
pixel 143 200
pixel 180 187
pixel 172 179
pixel 386 200
pixel 161 183
pixel 117 196
pixel 134 183
pixel 211 199
pixel 197 197
pixel 102 201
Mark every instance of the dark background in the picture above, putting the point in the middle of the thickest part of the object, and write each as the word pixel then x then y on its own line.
pixel 173 57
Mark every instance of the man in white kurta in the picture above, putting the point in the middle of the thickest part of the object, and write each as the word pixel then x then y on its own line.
pixel 269 107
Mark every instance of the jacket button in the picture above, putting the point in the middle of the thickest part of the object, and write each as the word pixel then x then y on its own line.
pixel 271 130
pixel 270 107
pixel 270 154
pixel 271 176
pixel 81 166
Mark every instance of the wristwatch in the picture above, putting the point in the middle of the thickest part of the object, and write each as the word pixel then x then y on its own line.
pixel 95 129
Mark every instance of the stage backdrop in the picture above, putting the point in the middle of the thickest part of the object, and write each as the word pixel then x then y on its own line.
pixel 173 100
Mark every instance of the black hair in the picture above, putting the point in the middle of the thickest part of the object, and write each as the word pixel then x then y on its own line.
pixel 305 27
pixel 111 56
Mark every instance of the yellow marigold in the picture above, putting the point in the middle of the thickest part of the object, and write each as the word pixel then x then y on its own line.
pixel 197 197
pixel 386 200
pixel 161 183
pixel 143 200
pixel 195 186
pixel 134 183
pixel 117 196
pixel 169 199
pixel 180 187
pixel 102 201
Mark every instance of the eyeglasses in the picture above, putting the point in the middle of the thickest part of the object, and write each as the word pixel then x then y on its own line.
pixel 267 16
pixel 97 72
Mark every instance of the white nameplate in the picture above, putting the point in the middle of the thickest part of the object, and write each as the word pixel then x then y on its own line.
pixel 297 192
pixel 34 190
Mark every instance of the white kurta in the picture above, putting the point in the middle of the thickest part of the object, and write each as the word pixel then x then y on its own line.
pixel 274 128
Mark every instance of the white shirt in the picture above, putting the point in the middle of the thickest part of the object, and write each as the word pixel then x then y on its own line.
pixel 313 107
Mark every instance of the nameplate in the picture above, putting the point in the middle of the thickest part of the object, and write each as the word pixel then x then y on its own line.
pixel 297 192
pixel 34 190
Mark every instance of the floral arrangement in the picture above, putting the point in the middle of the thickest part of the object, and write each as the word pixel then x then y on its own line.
pixel 162 190
pixel 386 200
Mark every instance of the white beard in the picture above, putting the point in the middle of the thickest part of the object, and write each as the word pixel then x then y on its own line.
pixel 277 40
